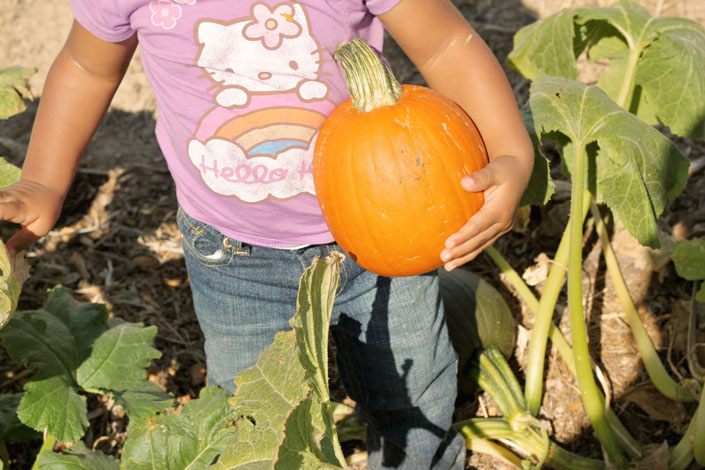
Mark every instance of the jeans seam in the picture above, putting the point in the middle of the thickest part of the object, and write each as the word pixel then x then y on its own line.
pixel 184 216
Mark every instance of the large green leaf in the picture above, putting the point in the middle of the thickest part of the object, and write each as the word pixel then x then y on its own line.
pixel 79 457
pixel 284 410
pixel 670 72
pixel 13 88
pixel 11 429
pixel 637 170
pixel 54 403
pixel 666 56
pixel 126 347
pixel 191 439
pixel 75 349
pixel 546 46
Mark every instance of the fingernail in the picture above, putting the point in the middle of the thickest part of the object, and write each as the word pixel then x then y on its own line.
pixel 450 244
pixel 445 256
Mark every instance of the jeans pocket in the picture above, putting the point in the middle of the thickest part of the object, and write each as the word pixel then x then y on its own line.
pixel 204 242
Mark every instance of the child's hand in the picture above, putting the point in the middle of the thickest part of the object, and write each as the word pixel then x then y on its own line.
pixel 503 180
pixel 31 205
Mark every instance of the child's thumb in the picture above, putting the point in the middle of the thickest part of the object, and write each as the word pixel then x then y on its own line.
pixel 479 180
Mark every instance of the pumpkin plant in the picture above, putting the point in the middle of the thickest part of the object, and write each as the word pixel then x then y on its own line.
pixel 14 89
pixel 613 156
pixel 387 168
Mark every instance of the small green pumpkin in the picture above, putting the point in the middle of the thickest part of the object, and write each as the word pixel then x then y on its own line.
pixel 478 317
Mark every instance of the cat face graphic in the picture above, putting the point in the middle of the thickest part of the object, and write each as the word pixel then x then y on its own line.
pixel 271 51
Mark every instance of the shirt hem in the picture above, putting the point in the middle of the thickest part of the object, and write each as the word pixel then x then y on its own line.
pixel 85 21
pixel 384 8
pixel 299 242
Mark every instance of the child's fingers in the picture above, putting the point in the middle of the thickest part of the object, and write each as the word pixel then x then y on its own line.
pixel 474 243
pixel 449 266
pixel 13 211
pixel 488 216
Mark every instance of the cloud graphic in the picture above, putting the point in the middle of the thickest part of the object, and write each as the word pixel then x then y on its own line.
pixel 227 170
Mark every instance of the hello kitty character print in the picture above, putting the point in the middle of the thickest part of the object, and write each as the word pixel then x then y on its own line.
pixel 241 89
pixel 288 57
pixel 257 143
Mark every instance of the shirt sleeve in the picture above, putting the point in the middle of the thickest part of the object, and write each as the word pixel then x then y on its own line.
pixel 378 7
pixel 104 18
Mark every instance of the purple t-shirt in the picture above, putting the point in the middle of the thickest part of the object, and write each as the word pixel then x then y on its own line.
pixel 242 89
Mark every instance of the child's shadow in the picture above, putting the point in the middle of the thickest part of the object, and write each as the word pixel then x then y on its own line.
pixel 358 381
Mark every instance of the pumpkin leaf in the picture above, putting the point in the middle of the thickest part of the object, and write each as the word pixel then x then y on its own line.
pixel 14 271
pixel 192 437
pixel 670 73
pixel 78 457
pixel 140 398
pixel 541 187
pixel 75 349
pixel 54 403
pixel 637 170
pixel 689 260
pixel 546 46
pixel 126 347
pixel 13 88
pixel 284 416
pixel 668 56
pixel 11 429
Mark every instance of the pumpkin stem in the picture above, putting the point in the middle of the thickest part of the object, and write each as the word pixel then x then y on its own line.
pixel 371 83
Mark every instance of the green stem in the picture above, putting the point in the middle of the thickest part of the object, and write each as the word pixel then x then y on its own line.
pixel 498 380
pixel 487 447
pixel 47 448
pixel 532 443
pixel 4 455
pixel 627 89
pixel 533 390
pixel 371 83
pixel 699 431
pixel 513 277
pixel 692 444
pixel 654 367
pixel 589 391
pixel 628 443
pixel 681 455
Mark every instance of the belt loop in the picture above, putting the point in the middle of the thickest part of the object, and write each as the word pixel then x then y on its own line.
pixel 238 249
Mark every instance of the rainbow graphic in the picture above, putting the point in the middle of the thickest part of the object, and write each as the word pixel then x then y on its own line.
pixel 263 152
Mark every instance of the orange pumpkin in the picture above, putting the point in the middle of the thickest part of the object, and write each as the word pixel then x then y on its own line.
pixel 387 168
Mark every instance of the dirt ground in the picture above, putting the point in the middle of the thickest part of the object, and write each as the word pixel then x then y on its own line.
pixel 117 241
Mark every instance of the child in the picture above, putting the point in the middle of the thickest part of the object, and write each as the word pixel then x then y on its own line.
pixel 242 88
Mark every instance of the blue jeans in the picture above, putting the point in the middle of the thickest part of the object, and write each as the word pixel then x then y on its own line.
pixel 394 355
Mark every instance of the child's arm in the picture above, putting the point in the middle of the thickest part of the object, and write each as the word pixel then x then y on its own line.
pixel 77 92
pixel 455 61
